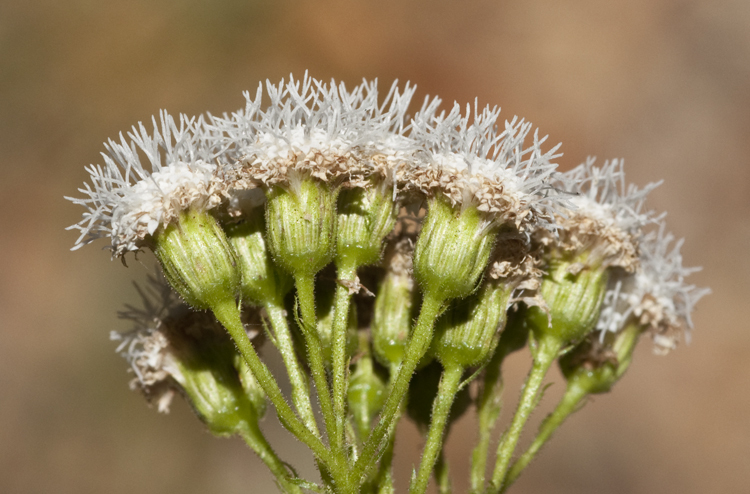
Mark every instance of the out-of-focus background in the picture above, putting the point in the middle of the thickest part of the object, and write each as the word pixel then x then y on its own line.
pixel 663 83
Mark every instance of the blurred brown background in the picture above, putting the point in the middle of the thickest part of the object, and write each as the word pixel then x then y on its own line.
pixel 663 83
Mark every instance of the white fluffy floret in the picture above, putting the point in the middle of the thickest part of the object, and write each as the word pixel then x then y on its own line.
pixel 656 296
pixel 128 201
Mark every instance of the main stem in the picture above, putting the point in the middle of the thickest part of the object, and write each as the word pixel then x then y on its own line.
pixel 415 350
pixel 545 354
pixel 569 403
pixel 229 316
pixel 440 411
pixel 346 271
pixel 255 439
pixel 300 390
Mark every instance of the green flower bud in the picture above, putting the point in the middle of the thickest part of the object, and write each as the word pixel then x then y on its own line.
pixel 197 259
pixel 262 281
pixel 423 389
pixel 467 333
pixel 596 365
pixel 301 226
pixel 573 296
pixel 395 306
pixel 365 217
pixel 366 394
pixel 452 250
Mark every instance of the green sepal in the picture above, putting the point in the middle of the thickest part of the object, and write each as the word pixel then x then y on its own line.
pixel 301 226
pixel 197 260
pixel 574 301
pixel 467 333
pixel 365 217
pixel 452 250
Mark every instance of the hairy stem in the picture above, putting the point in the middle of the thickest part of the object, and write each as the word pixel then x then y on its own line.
pixel 546 353
pixel 440 411
pixel 574 394
pixel 340 364
pixel 300 390
pixel 255 439
pixel 415 350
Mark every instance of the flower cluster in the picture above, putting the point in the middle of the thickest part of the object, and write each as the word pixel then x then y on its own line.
pixel 445 241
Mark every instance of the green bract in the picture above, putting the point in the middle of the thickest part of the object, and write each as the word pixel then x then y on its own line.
pixel 573 299
pixel 197 259
pixel 301 226
pixel 365 217
pixel 452 250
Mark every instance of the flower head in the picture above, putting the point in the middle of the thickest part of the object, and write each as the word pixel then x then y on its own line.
pixel 606 217
pixel 656 296
pixel 127 200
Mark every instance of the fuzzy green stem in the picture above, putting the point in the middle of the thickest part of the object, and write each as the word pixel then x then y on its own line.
pixel 415 350
pixel 440 411
pixel 255 439
pixel 346 271
pixel 229 316
pixel 488 411
pixel 546 352
pixel 306 297
pixel 574 394
pixel 300 390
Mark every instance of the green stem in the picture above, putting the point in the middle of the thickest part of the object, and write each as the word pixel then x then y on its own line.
pixel 442 475
pixel 415 350
pixel 300 390
pixel 546 352
pixel 488 411
pixel 229 316
pixel 306 296
pixel 255 439
pixel 574 394
pixel 441 409
pixel 346 271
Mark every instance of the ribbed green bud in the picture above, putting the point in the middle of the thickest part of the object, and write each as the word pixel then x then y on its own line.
pixel 452 250
pixel 301 226
pixel 395 306
pixel 365 217
pixel 206 374
pixel 574 301
pixel 262 281
pixel 423 389
pixel 197 259
pixel 596 366
pixel 467 333
pixel 366 393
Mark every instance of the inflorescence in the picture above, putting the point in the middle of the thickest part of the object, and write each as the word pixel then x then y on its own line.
pixel 378 249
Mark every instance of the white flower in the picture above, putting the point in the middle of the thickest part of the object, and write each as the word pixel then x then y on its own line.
pixel 323 130
pixel 656 296
pixel 128 201
pixel 606 217
pixel 472 162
